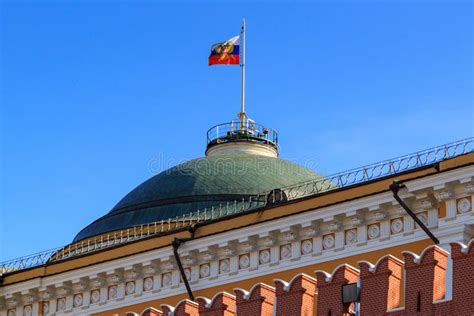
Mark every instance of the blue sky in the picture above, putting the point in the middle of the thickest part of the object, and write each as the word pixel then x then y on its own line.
pixel 91 92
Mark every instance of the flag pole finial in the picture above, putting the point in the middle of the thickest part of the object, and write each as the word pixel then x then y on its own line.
pixel 242 115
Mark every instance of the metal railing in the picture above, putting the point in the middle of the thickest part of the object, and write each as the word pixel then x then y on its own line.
pixel 339 180
pixel 131 234
pixel 26 262
pixel 241 130
pixel 376 170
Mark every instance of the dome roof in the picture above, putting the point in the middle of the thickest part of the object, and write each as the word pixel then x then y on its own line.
pixel 198 184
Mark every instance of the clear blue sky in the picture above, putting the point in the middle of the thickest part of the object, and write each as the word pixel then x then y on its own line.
pixel 92 91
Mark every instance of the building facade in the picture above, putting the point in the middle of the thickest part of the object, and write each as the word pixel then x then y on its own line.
pixel 242 232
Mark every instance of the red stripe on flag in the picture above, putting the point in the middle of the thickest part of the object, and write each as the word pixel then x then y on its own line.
pixel 227 60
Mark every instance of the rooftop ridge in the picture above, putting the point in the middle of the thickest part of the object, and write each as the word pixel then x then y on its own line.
pixel 329 183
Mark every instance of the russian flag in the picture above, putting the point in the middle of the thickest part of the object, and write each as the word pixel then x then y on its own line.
pixel 226 53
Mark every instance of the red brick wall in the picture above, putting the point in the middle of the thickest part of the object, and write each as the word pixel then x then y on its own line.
pixel 259 301
pixel 425 280
pixel 330 289
pixel 222 304
pixel 296 297
pixel 463 278
pixel 149 312
pixel 384 278
pixel 184 308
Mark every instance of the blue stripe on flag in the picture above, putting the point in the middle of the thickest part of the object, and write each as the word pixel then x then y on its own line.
pixel 234 52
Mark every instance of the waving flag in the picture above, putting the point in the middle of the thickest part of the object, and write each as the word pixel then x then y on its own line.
pixel 226 53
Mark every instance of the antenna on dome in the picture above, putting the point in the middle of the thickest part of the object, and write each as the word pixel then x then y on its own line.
pixel 242 115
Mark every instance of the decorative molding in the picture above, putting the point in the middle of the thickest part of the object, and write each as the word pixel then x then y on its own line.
pixel 379 216
pixel 133 273
pixel 396 225
pixel 224 266
pixel 244 261
pixel 469 188
pixel 99 281
pixel 153 268
pixel 81 286
pixel 166 279
pixel 45 306
pixel 306 246
pixel 351 236
pixel 356 221
pixel 27 310
pixel 285 251
pixel 148 284
pixel 116 276
pixel 130 288
pixel 264 256
pixel 464 205
pixel 427 204
pixel 334 226
pixel 95 296
pixel 113 292
pixel 329 241
pixel 373 231
pixel 443 195
pixel 204 270
pixel 78 300
pixel 61 304
pixel 310 232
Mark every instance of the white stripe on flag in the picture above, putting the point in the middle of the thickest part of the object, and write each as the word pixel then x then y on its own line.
pixel 234 40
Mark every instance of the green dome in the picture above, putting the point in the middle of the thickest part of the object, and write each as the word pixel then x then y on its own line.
pixel 198 184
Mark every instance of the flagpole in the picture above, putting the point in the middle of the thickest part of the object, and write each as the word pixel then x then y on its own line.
pixel 242 114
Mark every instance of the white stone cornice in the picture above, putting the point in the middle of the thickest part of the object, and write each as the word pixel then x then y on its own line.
pixel 229 249
pixel 310 229
pixel 47 293
pixel 422 194
pixel 80 285
pixel 357 221
pixel 189 260
pixel 98 281
pixel 21 287
pixel 398 211
pixel 443 195
pixel 14 300
pixel 208 253
pixel 309 232
pixel 30 296
pixel 469 188
pixel 440 180
pixel 379 216
pixel 115 276
pixel 289 236
pixel 64 289
pixel 151 268
pixel 269 238
pixel 168 265
pixel 247 243
pixel 133 272
pixel 334 226
pixel 269 241
pixel 429 204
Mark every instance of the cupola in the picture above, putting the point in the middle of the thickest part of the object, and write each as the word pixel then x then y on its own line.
pixel 242 136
